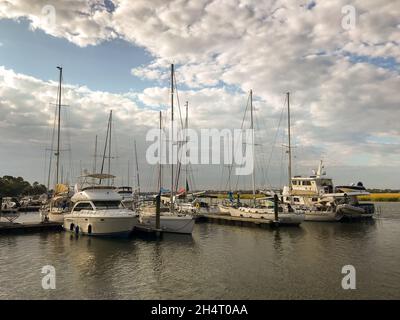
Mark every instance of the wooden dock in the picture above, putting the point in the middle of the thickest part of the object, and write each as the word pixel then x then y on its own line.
pixel 236 221
pixel 12 227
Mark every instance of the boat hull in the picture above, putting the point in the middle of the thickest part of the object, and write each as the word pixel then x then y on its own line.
pixel 350 212
pixel 284 218
pixel 321 216
pixel 170 223
pixel 224 209
pixel 100 226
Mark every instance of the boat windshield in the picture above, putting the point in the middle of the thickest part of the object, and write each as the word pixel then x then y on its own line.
pixel 107 204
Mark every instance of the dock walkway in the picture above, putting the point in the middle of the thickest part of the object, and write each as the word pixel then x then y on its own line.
pixel 12 227
pixel 237 221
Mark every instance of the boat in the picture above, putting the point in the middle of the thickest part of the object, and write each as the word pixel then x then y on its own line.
pixel 196 207
pixel 33 203
pixel 317 197
pixel 127 196
pixel 322 201
pixel 59 202
pixel 57 205
pixel 98 211
pixel 287 215
pixel 9 208
pixel 171 222
pixel 168 219
pixel 10 204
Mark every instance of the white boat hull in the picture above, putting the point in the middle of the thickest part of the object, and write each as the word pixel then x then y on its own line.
pixel 100 226
pixel 224 209
pixel 350 212
pixel 284 218
pixel 170 223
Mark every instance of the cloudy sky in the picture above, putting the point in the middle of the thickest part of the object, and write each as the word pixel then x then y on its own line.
pixel 340 60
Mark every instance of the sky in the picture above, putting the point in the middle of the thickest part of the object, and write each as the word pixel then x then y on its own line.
pixel 340 61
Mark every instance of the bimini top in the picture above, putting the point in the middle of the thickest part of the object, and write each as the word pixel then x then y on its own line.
pixel 97 193
pixel 99 176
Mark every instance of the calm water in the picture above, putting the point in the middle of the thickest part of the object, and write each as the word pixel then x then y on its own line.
pixel 216 262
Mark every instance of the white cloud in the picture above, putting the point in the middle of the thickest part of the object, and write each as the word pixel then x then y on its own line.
pixel 339 106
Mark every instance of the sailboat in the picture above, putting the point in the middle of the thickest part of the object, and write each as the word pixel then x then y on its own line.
pixel 185 200
pixel 287 215
pixel 319 200
pixel 170 219
pixel 97 206
pixel 59 203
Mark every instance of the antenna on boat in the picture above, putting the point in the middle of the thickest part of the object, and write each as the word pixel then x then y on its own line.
pixel 320 172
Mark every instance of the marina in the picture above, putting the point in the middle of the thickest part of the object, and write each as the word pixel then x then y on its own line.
pixel 199 150
pixel 217 261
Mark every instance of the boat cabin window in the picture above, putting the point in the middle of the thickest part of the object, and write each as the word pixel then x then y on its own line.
pixel 306 183
pixel 107 204
pixel 83 206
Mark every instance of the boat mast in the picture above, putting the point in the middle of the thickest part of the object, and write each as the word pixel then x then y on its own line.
pixel 159 160
pixel 172 140
pixel 158 199
pixel 129 176
pixel 137 169
pixel 105 144
pixel 95 155
pixel 186 141
pixel 290 150
pixel 109 145
pixel 252 138
pixel 58 125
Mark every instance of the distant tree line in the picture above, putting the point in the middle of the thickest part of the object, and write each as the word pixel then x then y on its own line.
pixel 16 186
pixel 383 190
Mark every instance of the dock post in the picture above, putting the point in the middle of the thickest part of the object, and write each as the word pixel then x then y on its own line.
pixel 158 209
pixel 276 209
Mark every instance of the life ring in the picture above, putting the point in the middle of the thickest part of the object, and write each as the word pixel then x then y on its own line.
pixel 197 205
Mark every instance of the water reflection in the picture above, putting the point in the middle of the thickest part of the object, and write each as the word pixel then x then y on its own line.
pixel 216 262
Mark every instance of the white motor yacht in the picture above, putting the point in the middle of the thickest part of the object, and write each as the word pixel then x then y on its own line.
pixel 321 201
pixel 97 210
